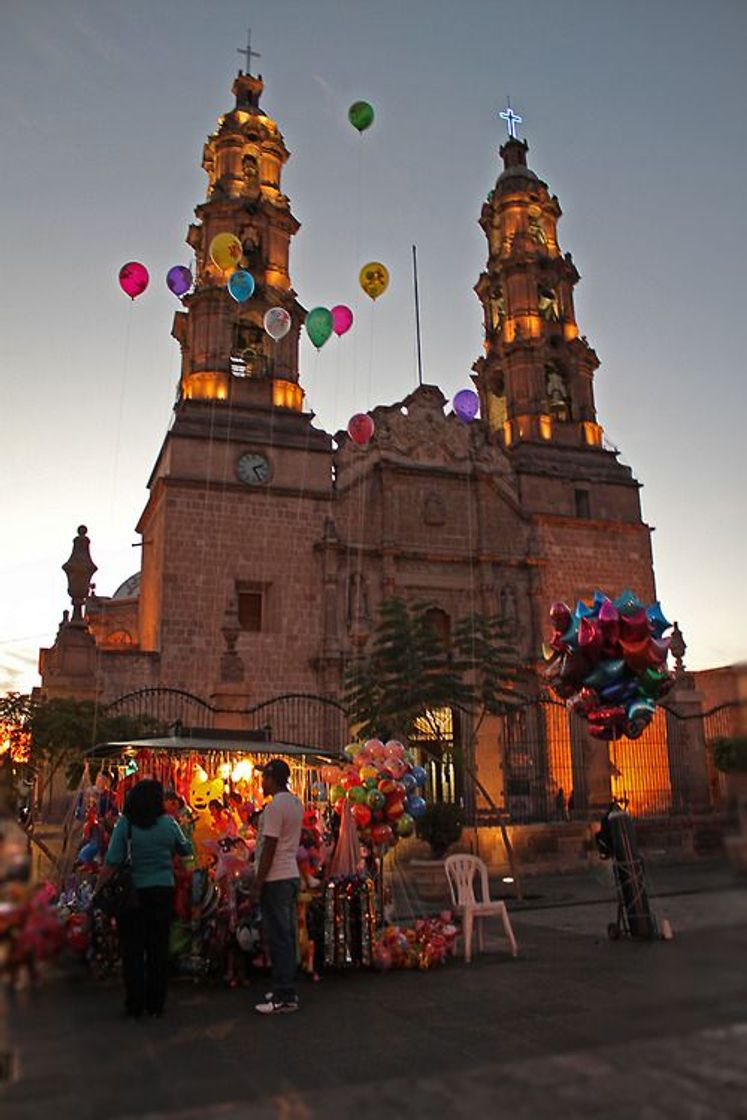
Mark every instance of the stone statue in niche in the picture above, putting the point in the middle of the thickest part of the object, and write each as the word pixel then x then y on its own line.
pixel 251 175
pixel 497 410
pixel 508 612
pixel 434 510
pixel 548 304
pixel 557 393
pixel 497 304
pixel 536 230
pixel 250 246
pixel 359 615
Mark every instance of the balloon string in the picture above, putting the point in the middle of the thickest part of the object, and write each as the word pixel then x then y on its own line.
pixel 123 382
pixel 352 387
pixel 358 207
pixel 471 554
pixel 338 370
pixel 287 607
pixel 221 521
pixel 370 357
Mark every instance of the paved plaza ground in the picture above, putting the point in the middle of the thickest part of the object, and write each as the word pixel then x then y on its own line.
pixel 576 1026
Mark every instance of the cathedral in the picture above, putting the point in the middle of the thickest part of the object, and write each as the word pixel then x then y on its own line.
pixel 268 544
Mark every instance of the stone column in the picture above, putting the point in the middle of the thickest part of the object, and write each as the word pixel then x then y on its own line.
pixel 686 744
pixel 597 767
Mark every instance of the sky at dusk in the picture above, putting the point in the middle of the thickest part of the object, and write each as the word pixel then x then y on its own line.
pixel 635 117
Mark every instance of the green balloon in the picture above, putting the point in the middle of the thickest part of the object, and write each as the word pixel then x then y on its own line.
pixel 375 799
pixel 361 115
pixel 405 825
pixel 357 794
pixel 319 326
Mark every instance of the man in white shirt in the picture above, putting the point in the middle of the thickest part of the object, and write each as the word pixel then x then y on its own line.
pixel 277 884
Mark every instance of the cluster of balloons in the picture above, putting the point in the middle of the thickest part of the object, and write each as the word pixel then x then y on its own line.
pixel 134 279
pixel 226 252
pixel 384 787
pixel 429 942
pixel 361 428
pixel 608 662
pixel 466 404
pixel 321 323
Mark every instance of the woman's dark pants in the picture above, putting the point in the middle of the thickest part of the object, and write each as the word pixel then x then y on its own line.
pixel 144 943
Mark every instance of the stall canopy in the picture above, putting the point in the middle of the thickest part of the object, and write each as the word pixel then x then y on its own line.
pixel 202 740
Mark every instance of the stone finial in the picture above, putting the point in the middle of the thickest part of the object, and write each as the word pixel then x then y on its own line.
pixel 678 647
pixel 79 569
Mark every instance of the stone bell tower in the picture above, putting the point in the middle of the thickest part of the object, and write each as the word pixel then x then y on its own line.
pixel 536 378
pixel 225 350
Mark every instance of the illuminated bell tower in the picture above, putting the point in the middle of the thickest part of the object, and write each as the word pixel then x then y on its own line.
pixel 536 378
pixel 226 352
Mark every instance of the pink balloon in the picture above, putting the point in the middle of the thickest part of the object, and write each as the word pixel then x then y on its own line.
pixel 342 319
pixel 133 278
pixel 361 428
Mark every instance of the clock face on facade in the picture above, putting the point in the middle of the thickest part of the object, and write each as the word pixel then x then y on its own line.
pixel 253 469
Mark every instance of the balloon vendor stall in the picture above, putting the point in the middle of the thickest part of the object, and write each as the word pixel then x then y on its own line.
pixel 356 810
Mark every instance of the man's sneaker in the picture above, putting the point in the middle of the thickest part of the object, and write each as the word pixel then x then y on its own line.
pixel 276 1007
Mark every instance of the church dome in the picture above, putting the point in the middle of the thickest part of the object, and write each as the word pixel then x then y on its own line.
pixel 130 589
pixel 518 171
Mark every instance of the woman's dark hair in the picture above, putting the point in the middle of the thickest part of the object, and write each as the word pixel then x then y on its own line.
pixel 144 803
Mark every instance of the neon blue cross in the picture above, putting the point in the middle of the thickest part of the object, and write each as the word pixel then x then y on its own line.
pixel 512 119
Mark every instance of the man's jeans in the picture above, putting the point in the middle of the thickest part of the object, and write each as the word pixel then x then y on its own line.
pixel 279 921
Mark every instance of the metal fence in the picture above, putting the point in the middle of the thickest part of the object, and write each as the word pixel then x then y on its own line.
pixel 552 770
pixel 299 719
pixel 547 767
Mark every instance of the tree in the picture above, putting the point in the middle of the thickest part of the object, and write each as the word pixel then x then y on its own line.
pixel 410 673
pixel 60 731
pixel 407 674
pixel 14 745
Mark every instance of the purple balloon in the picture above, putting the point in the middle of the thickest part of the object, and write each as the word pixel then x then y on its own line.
pixel 466 404
pixel 179 279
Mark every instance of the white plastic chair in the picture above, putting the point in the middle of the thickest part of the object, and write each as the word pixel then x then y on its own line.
pixel 460 873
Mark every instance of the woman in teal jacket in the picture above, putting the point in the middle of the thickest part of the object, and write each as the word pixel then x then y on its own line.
pixel 154 838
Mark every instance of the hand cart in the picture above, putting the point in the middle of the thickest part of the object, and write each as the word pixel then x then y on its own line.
pixel 616 841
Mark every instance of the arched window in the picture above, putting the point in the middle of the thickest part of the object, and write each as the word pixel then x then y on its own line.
pixel 440 623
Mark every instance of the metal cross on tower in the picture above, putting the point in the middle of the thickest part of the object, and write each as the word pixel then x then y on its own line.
pixel 248 52
pixel 512 119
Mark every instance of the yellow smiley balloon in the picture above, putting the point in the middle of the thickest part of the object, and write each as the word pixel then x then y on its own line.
pixel 374 279
pixel 225 251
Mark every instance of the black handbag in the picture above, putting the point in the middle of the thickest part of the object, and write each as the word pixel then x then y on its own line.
pixel 119 897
